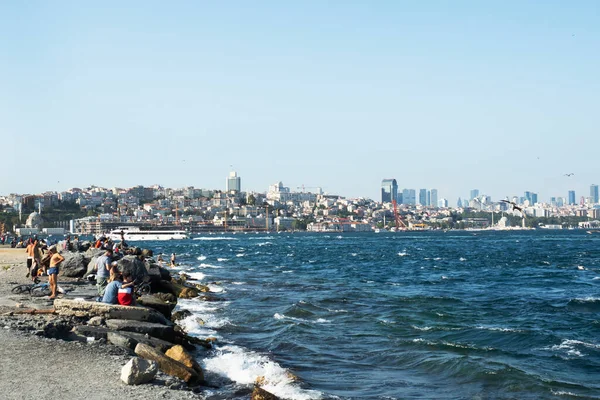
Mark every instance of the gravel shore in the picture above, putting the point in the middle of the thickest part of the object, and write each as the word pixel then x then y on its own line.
pixel 36 367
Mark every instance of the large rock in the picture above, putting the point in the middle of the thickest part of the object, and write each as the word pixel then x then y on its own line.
pixel 261 394
pixel 163 332
pixel 77 308
pixel 167 364
pixel 181 291
pixel 138 371
pixel 96 332
pixel 178 353
pixel 154 302
pixel 74 265
pixel 134 266
pixel 129 340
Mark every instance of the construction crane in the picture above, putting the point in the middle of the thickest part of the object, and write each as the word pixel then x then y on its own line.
pixel 397 216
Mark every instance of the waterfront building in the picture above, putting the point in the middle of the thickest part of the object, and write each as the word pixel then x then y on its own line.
pixel 234 182
pixel 571 197
pixel 443 203
pixel 389 190
pixel 474 194
pixel 434 197
pixel 423 197
pixel 594 194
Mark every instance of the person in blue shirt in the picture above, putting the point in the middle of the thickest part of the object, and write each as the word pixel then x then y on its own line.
pixel 103 271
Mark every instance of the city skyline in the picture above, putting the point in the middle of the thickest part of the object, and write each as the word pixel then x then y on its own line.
pixel 499 97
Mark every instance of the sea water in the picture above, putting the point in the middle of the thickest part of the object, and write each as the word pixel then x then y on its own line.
pixel 444 315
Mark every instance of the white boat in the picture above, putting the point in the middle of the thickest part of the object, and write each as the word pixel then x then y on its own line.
pixel 134 233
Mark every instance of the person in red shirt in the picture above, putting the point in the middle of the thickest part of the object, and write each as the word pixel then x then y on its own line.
pixel 126 294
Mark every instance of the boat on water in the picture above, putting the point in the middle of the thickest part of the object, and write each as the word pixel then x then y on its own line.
pixel 135 233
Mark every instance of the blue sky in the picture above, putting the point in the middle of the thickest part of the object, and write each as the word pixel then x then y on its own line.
pixel 500 96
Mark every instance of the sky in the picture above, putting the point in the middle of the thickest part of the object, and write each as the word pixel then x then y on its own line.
pixel 498 96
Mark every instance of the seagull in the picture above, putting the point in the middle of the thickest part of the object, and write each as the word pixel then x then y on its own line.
pixel 570 174
pixel 514 206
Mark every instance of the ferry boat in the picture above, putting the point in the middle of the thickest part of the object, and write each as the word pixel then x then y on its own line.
pixel 135 233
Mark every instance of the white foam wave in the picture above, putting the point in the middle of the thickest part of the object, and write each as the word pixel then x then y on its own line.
pixel 197 276
pixel 215 238
pixel 462 259
pixel 283 316
pixel 287 272
pixel 204 265
pixel 589 299
pixel 498 329
pixel 424 328
pixel 353 254
pixel 240 255
pixel 201 258
pixel 238 283
pixel 403 254
pixel 215 288
pixel 264 243
pixel 244 367
pixel 220 259
pixel 262 238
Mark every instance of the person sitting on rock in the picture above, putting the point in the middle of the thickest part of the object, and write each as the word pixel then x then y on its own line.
pixel 103 271
pixel 120 292
pixel 125 296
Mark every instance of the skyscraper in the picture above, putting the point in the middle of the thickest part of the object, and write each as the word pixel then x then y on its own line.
pixel 434 197
pixel 389 190
pixel 423 197
pixel 474 194
pixel 234 182
pixel 571 197
pixel 409 196
pixel 594 193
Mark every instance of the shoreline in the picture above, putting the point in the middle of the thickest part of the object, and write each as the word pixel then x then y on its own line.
pixel 34 364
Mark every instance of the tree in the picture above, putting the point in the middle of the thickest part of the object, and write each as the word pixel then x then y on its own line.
pixel 251 200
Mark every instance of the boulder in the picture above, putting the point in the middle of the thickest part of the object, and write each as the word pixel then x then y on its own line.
pixel 84 246
pixel 157 330
pixel 96 321
pixel 97 332
pixel 261 394
pixel 134 266
pixel 166 297
pixel 181 291
pixel 129 340
pixel 147 253
pixel 138 371
pixel 77 308
pixel 74 265
pixel 165 274
pixel 153 271
pixel 179 315
pixel 167 364
pixel 154 302
pixel 178 353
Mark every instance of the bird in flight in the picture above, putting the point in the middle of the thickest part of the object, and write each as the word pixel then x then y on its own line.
pixel 514 206
pixel 570 174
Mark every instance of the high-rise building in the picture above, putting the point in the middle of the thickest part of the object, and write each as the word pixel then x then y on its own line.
pixel 423 197
pixel 474 194
pixel 443 203
pixel 234 182
pixel 571 197
pixel 459 203
pixel 531 197
pixel 594 194
pixel 434 197
pixel 409 196
pixel 389 190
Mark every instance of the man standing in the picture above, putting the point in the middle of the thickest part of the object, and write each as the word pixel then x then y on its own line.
pixel 103 271
pixel 55 261
pixel 30 255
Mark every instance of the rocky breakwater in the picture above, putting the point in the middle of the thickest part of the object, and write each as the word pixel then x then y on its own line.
pixel 148 331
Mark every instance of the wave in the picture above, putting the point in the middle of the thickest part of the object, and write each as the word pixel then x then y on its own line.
pixel 197 276
pixel 204 265
pixel 214 238
pixel 245 367
pixel 302 320
pixel 201 258
pixel 221 259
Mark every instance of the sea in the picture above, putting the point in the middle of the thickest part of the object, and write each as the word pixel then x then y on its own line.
pixel 404 315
